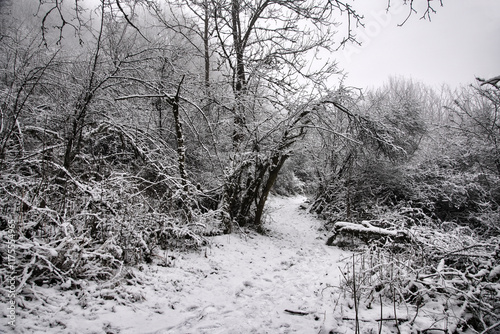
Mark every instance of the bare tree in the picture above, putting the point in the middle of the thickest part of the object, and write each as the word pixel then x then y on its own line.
pixel 267 52
pixel 475 115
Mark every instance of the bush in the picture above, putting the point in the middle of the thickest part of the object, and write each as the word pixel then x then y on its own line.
pixel 118 207
pixel 447 276
pixel 430 193
pixel 288 184
pixel 448 194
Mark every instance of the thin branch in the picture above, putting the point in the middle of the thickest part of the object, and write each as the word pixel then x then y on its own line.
pixel 128 20
pixel 487 330
pixel 139 96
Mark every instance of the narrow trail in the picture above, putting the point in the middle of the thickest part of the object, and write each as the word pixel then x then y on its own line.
pixel 252 280
pixel 242 283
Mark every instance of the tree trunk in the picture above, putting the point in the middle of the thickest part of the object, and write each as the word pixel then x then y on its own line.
pixel 181 149
pixel 75 138
pixel 239 85
pixel 206 51
pixel 278 162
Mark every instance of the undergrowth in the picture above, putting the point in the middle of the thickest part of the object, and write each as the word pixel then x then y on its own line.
pixel 91 222
pixel 446 282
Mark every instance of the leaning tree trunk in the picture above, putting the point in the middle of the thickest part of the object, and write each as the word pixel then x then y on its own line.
pixel 278 162
pixel 248 187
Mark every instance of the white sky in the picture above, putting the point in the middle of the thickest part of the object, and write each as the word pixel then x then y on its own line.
pixel 462 41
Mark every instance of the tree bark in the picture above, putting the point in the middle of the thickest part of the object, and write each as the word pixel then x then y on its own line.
pixel 206 51
pixel 181 149
pixel 239 85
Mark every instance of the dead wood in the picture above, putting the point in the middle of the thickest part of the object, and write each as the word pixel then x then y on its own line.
pixel 366 232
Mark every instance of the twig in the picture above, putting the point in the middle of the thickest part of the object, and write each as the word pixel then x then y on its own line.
pixel 381 315
pixel 128 20
pixel 355 294
pixel 352 319
pixel 399 320
pixel 466 248
pixel 491 327
pixel 435 329
pixel 296 312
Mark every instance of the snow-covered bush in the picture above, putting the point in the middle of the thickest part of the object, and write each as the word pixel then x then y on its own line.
pixel 447 281
pixel 446 193
pixel 118 206
pixel 370 191
pixel 429 193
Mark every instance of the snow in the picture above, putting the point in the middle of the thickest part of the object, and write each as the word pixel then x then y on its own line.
pixel 495 272
pixel 240 283
pixel 365 226
pixel 287 281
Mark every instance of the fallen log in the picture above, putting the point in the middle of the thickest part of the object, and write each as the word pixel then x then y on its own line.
pixel 365 232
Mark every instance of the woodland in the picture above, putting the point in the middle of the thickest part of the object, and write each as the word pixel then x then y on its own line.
pixel 128 127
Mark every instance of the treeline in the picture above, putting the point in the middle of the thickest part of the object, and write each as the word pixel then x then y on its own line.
pixel 441 167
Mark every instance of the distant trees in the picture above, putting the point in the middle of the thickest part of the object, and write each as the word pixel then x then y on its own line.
pixel 416 157
pixel 381 132
pixel 475 115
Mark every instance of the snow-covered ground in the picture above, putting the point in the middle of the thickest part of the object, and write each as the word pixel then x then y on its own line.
pixel 284 282
pixel 240 283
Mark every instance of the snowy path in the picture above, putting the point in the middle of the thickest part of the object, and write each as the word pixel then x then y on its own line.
pixel 252 281
pixel 240 284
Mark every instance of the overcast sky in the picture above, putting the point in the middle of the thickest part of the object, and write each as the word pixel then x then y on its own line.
pixel 462 41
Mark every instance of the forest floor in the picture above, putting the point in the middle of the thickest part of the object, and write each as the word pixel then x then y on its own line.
pixel 283 282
